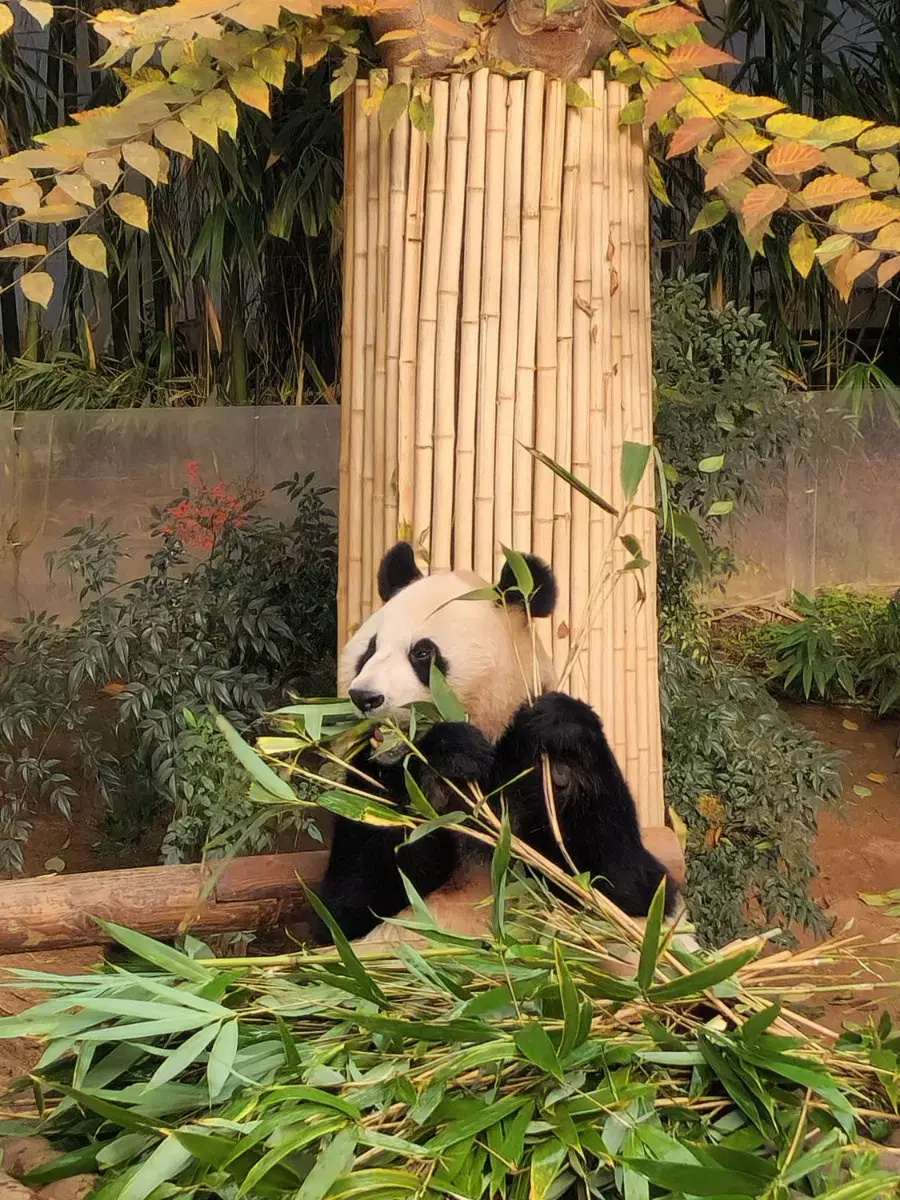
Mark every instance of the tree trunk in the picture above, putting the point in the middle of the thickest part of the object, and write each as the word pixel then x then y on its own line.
pixel 496 297
pixel 58 911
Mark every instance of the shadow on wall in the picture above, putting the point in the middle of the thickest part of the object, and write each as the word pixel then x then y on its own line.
pixel 832 522
pixel 58 469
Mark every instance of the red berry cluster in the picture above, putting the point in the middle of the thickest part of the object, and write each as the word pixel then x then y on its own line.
pixel 204 511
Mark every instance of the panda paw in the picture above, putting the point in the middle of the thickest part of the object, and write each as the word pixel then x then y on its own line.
pixel 559 726
pixel 457 752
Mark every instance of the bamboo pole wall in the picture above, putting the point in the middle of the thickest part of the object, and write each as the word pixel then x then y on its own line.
pixel 497 297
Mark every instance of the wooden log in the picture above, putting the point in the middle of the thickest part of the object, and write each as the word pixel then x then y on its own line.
pixel 58 911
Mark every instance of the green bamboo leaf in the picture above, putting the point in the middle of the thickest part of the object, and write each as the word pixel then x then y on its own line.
pixel 499 868
pixel 701 981
pixel 521 571
pixel 369 1183
pixel 173 962
pixel 632 467
pixel 756 1025
pixel 142 1030
pixel 335 1160
pixel 468 1127
pixel 353 966
pixel 547 1160
pixel 185 1056
pixel 123 1149
pixel 570 1003
pixel 208 1148
pixel 166 1161
pixel 313 1131
pixel 444 698
pixel 684 1179
pixel 685 527
pixel 652 933
pixel 533 1043
pixel 77 1162
pixel 260 771
pixel 573 481
pixel 361 808
pixel 124 1118
pixel 417 799
pixel 305 1094
pixel 450 818
pixel 221 1059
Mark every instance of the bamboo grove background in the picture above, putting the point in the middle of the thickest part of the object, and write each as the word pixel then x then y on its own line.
pixel 456 360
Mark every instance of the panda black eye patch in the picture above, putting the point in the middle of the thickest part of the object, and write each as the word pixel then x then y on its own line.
pixel 421 655
pixel 366 654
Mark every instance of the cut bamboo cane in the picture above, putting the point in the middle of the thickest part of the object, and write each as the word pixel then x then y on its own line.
pixel 346 373
pixel 581 388
pixel 523 471
pixel 428 307
pixel 358 372
pixel 470 316
pixel 370 432
pixel 409 333
pixel 447 331
pixel 562 491
pixel 548 303
pixel 489 339
pixel 379 411
pixel 399 152
pixel 600 474
pixel 494 504
pixel 615 630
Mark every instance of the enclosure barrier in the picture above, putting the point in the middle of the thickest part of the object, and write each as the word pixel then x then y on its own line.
pixel 496 277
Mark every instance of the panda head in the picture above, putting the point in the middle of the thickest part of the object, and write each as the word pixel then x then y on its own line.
pixel 484 648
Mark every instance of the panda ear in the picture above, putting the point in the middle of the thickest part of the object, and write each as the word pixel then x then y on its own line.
pixel 398 570
pixel 543 598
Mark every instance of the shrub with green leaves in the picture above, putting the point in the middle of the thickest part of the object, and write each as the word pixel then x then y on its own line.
pixel 239 626
pixel 749 785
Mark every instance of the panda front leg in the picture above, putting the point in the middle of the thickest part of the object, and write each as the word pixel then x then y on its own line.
pixel 595 810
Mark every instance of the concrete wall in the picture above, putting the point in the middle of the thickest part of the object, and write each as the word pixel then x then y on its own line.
pixel 833 522
pixel 57 469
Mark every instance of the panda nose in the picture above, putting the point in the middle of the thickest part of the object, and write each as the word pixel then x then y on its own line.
pixel 365 701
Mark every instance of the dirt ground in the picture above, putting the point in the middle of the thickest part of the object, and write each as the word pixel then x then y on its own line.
pixel 856 852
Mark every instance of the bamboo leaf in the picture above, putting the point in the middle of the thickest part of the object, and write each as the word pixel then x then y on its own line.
pixel 166 1161
pixel 652 933
pixel 221 1059
pixel 173 962
pixel 353 966
pixel 444 697
pixel 533 1043
pixel 184 1056
pixel 334 1161
pixel 701 980
pixel 684 1179
pixel 578 484
pixel 259 770
pixel 633 465
pixel 547 1161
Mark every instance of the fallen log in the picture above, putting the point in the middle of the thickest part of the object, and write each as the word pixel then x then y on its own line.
pixel 57 911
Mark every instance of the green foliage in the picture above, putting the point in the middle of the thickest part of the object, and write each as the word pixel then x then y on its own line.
pixel 720 396
pixel 67 382
pixel 748 784
pixel 236 626
pixel 845 647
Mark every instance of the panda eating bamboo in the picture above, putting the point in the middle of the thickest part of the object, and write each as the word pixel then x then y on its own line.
pixel 486 652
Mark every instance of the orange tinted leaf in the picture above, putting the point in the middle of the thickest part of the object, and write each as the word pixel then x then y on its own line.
pixel 857 265
pixel 661 100
pixel 862 216
pixel 695 56
pixel 833 247
pixel 728 165
pixel 664 20
pixel 844 161
pixel 759 204
pixel 832 189
pixel 792 158
pixel 888 270
pixel 691 134
pixel 888 238
pixel 396 35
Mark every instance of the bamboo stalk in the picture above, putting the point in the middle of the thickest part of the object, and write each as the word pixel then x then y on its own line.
pixel 395 264
pixel 428 313
pixel 488 359
pixel 548 303
pixel 495 511
pixel 581 386
pixel 369 418
pixel 347 115
pixel 468 402
pixel 562 492
pixel 379 410
pixel 600 525
pixel 447 331
pixel 615 434
pixel 409 332
pixel 528 310
pixel 358 381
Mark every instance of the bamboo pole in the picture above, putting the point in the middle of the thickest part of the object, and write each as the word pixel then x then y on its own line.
pixel 489 350
pixel 445 392
pixel 370 433
pixel 470 318
pixel 614 436
pixel 528 310
pixel 358 370
pixel 398 183
pixel 548 304
pixel 428 315
pixel 494 505
pixel 409 333
pixel 581 385
pixel 379 440
pixel 562 491
pixel 344 486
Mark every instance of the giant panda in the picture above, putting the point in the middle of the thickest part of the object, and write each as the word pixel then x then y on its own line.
pixel 488 654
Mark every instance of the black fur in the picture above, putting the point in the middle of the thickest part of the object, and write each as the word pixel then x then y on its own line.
pixel 595 810
pixel 398 570
pixel 543 599
pixel 422 655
